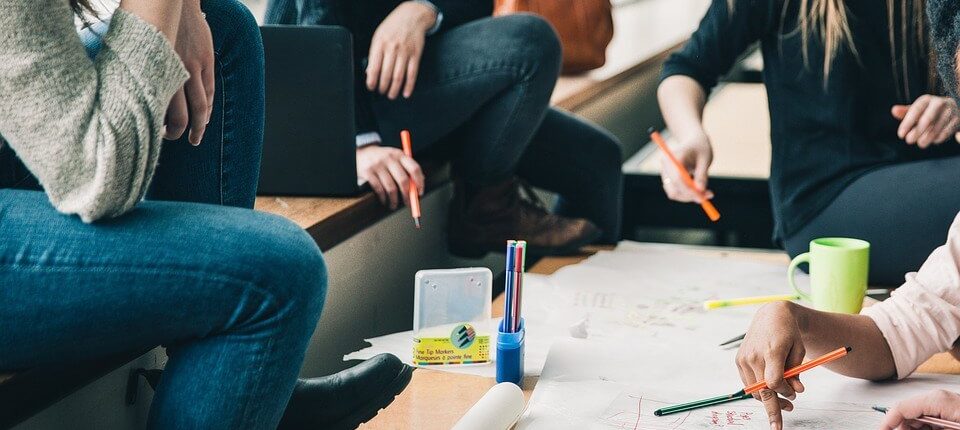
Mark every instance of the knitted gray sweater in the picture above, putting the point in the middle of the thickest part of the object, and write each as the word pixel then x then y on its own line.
pixel 89 130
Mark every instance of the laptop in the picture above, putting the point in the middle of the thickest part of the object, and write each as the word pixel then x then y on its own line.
pixel 309 146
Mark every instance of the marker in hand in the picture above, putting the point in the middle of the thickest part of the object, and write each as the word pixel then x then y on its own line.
pixel 705 203
pixel 407 144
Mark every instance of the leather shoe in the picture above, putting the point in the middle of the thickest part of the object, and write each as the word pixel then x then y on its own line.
pixel 482 219
pixel 347 399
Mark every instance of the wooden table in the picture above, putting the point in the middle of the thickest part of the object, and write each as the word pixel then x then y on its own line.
pixel 437 400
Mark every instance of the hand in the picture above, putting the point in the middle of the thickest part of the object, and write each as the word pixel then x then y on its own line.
pixel 773 344
pixel 389 172
pixel 696 154
pixel 396 49
pixel 938 404
pixel 193 104
pixel 929 120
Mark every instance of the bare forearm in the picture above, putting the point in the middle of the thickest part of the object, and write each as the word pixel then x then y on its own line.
pixel 681 102
pixel 164 15
pixel 822 332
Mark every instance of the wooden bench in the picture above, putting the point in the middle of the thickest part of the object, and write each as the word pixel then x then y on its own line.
pixel 647 31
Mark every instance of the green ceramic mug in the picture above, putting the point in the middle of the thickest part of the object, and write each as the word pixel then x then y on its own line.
pixel 838 274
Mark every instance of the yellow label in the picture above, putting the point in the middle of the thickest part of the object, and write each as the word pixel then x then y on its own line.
pixel 463 346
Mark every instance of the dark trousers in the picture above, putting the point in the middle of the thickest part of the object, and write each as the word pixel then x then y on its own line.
pixel 903 210
pixel 483 96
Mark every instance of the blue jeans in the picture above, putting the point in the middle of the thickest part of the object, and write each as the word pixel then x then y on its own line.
pixel 233 294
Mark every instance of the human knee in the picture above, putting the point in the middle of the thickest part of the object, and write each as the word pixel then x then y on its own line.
pixel 608 149
pixel 534 37
pixel 281 258
pixel 233 26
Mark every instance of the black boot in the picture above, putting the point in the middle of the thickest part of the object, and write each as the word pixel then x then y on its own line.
pixel 347 399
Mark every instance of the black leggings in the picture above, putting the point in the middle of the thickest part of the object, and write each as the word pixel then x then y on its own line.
pixel 903 210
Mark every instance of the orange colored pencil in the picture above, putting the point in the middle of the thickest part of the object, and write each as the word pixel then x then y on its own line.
pixel 793 372
pixel 407 144
pixel 705 203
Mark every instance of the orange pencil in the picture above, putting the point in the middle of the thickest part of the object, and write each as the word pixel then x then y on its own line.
pixel 407 144
pixel 705 203
pixel 793 372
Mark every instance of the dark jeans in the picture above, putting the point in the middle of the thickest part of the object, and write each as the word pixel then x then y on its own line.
pixel 232 293
pixel 903 210
pixel 483 92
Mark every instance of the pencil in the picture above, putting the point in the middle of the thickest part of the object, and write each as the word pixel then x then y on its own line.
pixel 518 273
pixel 701 403
pixel 705 203
pixel 407 144
pixel 794 372
pixel 714 304
pixel 736 339
pixel 933 421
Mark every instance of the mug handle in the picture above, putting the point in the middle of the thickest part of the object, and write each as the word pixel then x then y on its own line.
pixel 798 260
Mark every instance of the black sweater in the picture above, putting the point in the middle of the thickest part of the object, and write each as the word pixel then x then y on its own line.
pixel 824 136
pixel 362 17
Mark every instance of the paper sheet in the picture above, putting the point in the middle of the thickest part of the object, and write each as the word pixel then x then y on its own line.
pixel 602 385
pixel 649 290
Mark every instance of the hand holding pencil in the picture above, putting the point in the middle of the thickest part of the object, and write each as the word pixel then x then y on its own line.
pixel 676 163
pixel 938 409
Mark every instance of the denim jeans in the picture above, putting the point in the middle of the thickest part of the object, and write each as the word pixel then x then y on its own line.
pixel 232 293
pixel 483 95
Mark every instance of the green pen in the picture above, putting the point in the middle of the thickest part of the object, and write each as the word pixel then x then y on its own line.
pixel 739 395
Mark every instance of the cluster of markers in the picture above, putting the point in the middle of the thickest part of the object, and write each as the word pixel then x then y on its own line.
pixel 516 259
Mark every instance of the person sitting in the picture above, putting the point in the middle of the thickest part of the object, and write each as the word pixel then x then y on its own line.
pixel 477 88
pixel 860 132
pixel 88 270
pixel 889 339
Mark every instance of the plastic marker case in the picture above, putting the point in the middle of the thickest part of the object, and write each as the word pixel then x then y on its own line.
pixel 510 355
pixel 451 319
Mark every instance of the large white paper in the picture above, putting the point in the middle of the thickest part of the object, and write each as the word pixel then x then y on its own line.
pixel 599 385
pixel 649 290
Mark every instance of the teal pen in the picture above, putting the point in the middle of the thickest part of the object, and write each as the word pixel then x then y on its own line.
pixel 935 422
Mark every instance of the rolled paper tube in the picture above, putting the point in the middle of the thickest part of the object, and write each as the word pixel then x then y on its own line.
pixel 499 409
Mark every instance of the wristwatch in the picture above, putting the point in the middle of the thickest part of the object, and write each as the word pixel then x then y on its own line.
pixel 439 22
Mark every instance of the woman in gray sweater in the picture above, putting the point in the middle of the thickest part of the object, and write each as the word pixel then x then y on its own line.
pixel 88 269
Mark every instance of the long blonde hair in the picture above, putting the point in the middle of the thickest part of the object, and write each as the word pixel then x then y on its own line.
pixel 828 20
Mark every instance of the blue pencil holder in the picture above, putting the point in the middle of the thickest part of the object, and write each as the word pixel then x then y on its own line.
pixel 510 355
